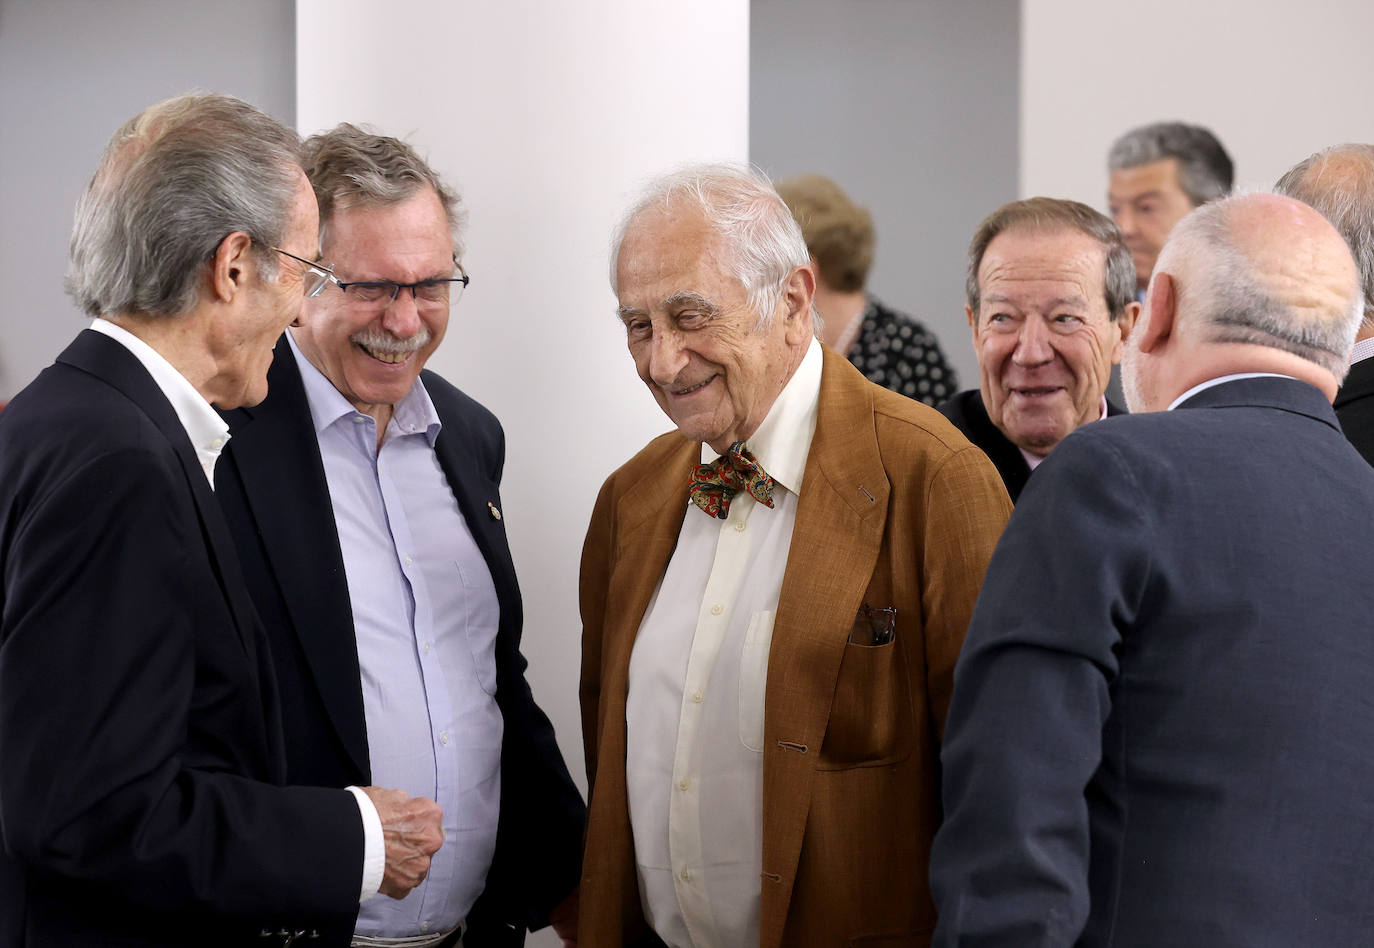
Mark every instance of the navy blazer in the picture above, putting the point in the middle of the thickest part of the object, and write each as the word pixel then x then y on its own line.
pixel 271 485
pixel 1161 725
pixel 140 740
pixel 967 412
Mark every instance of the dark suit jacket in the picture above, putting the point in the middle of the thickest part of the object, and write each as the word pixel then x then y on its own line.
pixel 140 738
pixel 1162 718
pixel 969 415
pixel 1355 407
pixel 271 484
pixel 896 510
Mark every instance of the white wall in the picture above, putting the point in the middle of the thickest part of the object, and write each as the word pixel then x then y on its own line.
pixel 546 116
pixel 911 107
pixel 73 71
pixel 1275 80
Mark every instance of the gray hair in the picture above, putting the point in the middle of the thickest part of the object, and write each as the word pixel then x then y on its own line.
pixel 1055 214
pixel 174 181
pixel 1233 306
pixel 1339 183
pixel 1205 171
pixel 739 204
pixel 349 166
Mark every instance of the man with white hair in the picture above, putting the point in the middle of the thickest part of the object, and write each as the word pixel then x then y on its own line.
pixel 773 597
pixel 1339 182
pixel 141 759
pixel 1160 724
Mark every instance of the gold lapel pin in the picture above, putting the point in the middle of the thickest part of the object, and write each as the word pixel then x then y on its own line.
pixel 495 514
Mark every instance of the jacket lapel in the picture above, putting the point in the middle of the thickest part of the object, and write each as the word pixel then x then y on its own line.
pixel 841 517
pixel 272 446
pixel 107 359
pixel 479 501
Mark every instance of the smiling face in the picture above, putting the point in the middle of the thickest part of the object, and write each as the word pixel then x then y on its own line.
pixel 373 351
pixel 692 333
pixel 1146 202
pixel 1044 341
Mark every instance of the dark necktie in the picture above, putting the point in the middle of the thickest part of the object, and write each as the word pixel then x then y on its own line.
pixel 736 470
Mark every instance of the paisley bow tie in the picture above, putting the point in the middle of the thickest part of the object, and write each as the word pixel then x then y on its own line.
pixel 736 470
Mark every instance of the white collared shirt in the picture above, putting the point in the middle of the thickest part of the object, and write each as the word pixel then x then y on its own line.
pixel 206 429
pixel 1364 348
pixel 694 712
pixel 425 617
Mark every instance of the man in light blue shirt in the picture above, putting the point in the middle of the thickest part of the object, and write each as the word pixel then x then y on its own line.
pixel 363 497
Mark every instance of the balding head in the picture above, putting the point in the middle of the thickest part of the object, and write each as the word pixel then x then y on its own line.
pixel 1258 283
pixel 1339 182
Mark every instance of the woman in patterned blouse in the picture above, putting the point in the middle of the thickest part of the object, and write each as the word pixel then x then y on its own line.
pixel 889 347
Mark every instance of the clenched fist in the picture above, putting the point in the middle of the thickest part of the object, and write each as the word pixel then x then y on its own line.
pixel 413 834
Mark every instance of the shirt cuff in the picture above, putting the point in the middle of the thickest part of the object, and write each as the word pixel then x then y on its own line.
pixel 374 846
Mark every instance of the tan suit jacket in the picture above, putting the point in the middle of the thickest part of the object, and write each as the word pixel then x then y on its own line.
pixel 896 509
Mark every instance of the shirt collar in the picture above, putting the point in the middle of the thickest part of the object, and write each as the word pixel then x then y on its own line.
pixel 1364 348
pixel 204 427
pixel 413 414
pixel 784 439
pixel 1211 383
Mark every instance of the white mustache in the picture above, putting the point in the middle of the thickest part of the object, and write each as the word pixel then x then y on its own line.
pixel 379 340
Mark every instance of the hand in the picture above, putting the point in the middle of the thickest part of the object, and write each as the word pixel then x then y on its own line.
pixel 564 920
pixel 413 833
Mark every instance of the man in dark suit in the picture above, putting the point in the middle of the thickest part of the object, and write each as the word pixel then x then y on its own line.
pixel 1160 731
pixel 363 496
pixel 1339 182
pixel 141 757
pixel 1051 297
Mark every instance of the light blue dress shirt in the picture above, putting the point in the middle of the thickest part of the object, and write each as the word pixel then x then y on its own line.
pixel 425 615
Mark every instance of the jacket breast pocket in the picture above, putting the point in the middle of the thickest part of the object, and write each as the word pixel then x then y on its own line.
pixel 870 717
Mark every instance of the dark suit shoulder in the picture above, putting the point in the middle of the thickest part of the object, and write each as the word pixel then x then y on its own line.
pixel 929 426
pixel 478 428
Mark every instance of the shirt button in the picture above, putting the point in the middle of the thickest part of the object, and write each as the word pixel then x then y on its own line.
pixel 684 783
pixel 698 697
pixel 717 609
pixel 217 443
pixel 358 419
pixel 443 737
pixel 427 645
pixel 685 875
pixel 408 559
pixel 424 926
pixel 739 527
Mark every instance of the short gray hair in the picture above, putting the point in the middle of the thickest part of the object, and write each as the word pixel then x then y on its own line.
pixel 1339 183
pixel 741 206
pixel 1233 306
pixel 1205 171
pixel 1050 215
pixel 349 166
pixel 174 181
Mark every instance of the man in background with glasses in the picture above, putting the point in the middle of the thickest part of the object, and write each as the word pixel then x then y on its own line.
pixel 141 754
pixel 363 497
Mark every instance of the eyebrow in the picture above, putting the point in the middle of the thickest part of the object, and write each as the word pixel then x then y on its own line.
pixel 690 299
pixel 1056 302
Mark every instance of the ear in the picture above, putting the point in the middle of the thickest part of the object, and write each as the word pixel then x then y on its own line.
pixel 797 296
pixel 1126 323
pixel 1162 303
pixel 230 265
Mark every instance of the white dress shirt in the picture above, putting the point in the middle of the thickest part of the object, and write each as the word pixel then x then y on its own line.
pixel 425 616
pixel 694 712
pixel 206 429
